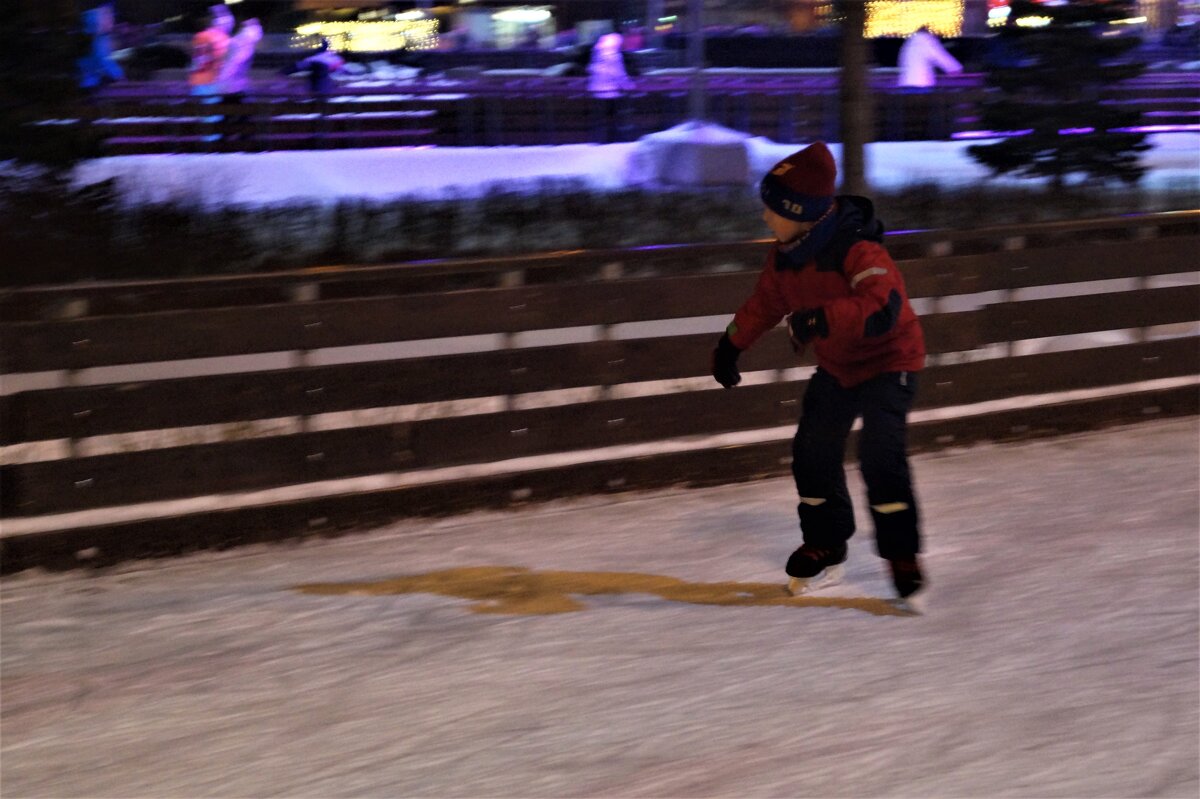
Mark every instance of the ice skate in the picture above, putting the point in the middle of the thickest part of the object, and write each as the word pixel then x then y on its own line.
pixel 911 589
pixel 811 568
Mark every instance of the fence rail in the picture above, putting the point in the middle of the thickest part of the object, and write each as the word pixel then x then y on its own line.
pixel 940 262
pixel 641 385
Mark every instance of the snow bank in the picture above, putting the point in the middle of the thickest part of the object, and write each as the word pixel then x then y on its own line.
pixel 685 155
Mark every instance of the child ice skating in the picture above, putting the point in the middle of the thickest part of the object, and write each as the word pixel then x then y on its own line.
pixel 830 276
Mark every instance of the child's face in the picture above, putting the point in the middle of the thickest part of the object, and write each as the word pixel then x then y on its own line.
pixel 784 229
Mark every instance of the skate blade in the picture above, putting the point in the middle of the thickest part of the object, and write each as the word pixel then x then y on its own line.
pixel 914 604
pixel 806 585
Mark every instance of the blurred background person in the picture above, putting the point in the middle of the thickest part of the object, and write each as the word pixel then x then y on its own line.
pixel 209 48
pixel 235 69
pixel 608 75
pixel 920 56
pixel 608 79
pixel 235 72
pixel 98 67
pixel 321 66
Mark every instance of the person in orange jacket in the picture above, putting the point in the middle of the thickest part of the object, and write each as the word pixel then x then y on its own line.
pixel 209 47
pixel 829 275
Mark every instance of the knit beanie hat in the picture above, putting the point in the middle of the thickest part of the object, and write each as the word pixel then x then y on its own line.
pixel 801 186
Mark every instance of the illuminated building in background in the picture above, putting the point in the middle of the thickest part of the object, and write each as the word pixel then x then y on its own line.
pixel 953 18
pixel 902 17
pixel 383 26
pixel 946 17
pixel 508 27
pixel 1152 14
pixel 381 29
pixel 407 31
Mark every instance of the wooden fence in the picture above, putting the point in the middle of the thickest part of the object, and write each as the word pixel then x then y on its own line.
pixel 524 110
pixel 631 338
pixel 493 118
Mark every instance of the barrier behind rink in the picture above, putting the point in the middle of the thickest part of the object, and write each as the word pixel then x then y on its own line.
pixel 624 404
pixel 515 109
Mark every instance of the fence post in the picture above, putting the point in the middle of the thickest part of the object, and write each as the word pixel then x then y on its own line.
pixel 74 309
pixel 613 270
pixel 510 279
pixel 1011 244
pixel 1143 233
pixel 305 292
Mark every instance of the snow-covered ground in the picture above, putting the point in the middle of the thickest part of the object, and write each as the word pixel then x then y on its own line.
pixel 250 179
pixel 1059 657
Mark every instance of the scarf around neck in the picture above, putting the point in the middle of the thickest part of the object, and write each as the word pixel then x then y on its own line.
pixel 799 251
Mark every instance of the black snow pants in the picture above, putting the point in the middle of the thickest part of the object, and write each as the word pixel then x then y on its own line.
pixel 819 450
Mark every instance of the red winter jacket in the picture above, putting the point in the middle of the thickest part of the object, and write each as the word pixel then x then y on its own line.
pixel 872 327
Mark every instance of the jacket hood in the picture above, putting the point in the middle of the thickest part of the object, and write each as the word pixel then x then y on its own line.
pixel 856 218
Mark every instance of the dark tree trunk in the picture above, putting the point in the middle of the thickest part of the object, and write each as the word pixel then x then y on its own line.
pixel 697 96
pixel 857 122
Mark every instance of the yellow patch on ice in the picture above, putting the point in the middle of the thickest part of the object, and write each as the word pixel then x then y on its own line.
pixel 515 590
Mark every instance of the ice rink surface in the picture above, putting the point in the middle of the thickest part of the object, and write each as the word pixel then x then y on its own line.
pixel 1059 657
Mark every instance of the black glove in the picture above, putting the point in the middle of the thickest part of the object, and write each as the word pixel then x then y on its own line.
pixel 724 363
pixel 804 326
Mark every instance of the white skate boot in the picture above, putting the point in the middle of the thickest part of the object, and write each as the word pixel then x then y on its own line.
pixel 812 568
